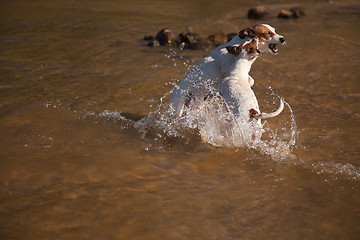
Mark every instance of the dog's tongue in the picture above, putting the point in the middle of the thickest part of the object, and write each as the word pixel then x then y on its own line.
pixel 273 48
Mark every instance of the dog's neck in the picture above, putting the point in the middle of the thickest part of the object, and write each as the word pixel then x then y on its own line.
pixel 240 70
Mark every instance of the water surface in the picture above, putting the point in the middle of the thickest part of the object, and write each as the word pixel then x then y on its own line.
pixel 72 165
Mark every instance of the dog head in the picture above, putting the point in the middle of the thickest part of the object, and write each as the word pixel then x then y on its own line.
pixel 268 38
pixel 248 50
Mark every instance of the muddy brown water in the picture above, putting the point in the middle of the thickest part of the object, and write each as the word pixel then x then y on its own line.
pixel 72 166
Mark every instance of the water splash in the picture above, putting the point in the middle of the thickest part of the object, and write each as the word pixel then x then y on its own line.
pixel 219 127
pixel 335 168
pixel 212 124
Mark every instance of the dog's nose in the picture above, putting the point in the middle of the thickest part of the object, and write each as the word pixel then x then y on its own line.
pixel 282 39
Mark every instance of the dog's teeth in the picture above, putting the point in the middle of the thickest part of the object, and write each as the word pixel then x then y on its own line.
pixel 273 48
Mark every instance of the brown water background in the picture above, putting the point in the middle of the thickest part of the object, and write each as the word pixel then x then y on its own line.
pixel 72 168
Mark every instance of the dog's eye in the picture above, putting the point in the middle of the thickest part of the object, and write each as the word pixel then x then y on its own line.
pixel 266 35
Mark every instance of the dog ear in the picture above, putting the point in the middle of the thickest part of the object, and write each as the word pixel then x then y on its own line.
pixel 247 32
pixel 253 46
pixel 234 50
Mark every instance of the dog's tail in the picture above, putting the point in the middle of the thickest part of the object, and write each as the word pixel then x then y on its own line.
pixel 273 114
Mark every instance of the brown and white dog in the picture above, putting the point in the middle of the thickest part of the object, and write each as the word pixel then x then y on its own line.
pixel 235 88
pixel 208 73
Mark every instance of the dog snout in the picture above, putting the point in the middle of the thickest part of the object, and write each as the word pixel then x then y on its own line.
pixel 282 40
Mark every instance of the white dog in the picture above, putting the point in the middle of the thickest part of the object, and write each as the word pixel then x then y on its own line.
pixel 235 88
pixel 207 74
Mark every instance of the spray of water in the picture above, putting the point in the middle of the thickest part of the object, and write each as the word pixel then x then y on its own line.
pixel 220 128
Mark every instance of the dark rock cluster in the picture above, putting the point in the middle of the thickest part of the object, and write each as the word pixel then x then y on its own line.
pixel 260 12
pixel 187 39
pixel 191 40
pixel 292 13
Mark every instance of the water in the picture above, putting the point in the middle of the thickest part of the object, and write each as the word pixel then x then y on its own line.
pixel 76 162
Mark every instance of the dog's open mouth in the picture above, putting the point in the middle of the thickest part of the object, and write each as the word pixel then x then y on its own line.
pixel 273 48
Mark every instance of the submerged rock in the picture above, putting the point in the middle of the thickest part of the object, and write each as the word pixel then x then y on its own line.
pixel 292 13
pixel 257 13
pixel 167 37
pixel 218 38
